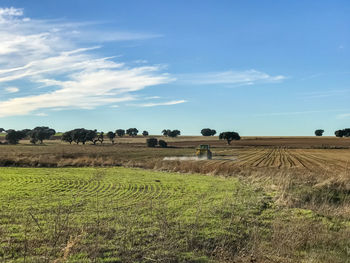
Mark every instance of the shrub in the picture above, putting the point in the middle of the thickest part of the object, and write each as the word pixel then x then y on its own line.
pixel 151 142
pixel 163 143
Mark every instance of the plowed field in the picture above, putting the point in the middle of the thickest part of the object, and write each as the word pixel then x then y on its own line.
pixel 311 159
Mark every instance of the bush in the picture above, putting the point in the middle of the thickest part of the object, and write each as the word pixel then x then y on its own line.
pixel 163 143
pixel 151 142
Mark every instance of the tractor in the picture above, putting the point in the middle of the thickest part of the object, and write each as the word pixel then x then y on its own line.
pixel 203 152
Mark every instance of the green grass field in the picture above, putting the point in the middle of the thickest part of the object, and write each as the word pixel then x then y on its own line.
pixel 122 215
pixel 134 215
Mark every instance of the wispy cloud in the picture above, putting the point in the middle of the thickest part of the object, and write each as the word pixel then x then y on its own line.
pixel 173 102
pixel 246 77
pixel 48 55
pixel 11 89
pixel 326 93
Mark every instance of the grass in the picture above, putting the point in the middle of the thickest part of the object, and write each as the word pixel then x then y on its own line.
pixel 134 215
pixel 122 215
pixel 264 204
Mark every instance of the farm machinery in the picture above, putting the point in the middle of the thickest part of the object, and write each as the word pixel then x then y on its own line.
pixel 203 152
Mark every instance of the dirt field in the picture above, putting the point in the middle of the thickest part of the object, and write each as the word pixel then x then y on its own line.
pixel 308 153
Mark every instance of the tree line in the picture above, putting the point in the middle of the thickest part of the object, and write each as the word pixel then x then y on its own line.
pixel 81 135
pixel 38 134
pixel 338 133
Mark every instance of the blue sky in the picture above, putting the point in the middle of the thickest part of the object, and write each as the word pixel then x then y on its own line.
pixel 256 67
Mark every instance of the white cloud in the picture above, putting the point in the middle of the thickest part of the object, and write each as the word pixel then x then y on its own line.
pixel 173 102
pixel 246 77
pixel 45 54
pixel 11 89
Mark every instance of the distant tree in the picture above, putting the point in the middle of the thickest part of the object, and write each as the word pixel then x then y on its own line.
pixel 82 135
pixel 208 132
pixel 229 136
pixel 91 136
pixel 174 133
pixel 151 142
pixel 111 135
pixel 27 132
pixel 166 132
pixel 13 136
pixel 41 134
pixel 343 133
pixel 99 137
pixel 339 133
pixel 120 132
pixel 162 143
pixel 346 132
pixel 319 132
pixel 132 132
pixel 67 137
pixel 145 133
pixel 79 135
pixel 2 130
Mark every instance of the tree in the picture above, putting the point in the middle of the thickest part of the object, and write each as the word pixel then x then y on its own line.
pixel 163 143
pixel 132 132
pixel 2 130
pixel 41 134
pixel 339 133
pixel 99 137
pixel 111 135
pixel 151 142
pixel 120 132
pixel 145 133
pixel 91 136
pixel 67 137
pixel 174 133
pixel 13 136
pixel 82 135
pixel 229 136
pixel 342 133
pixel 208 132
pixel 319 132
pixel 166 132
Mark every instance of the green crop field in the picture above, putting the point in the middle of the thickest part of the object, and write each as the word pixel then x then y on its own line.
pixel 121 215
pixel 134 215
